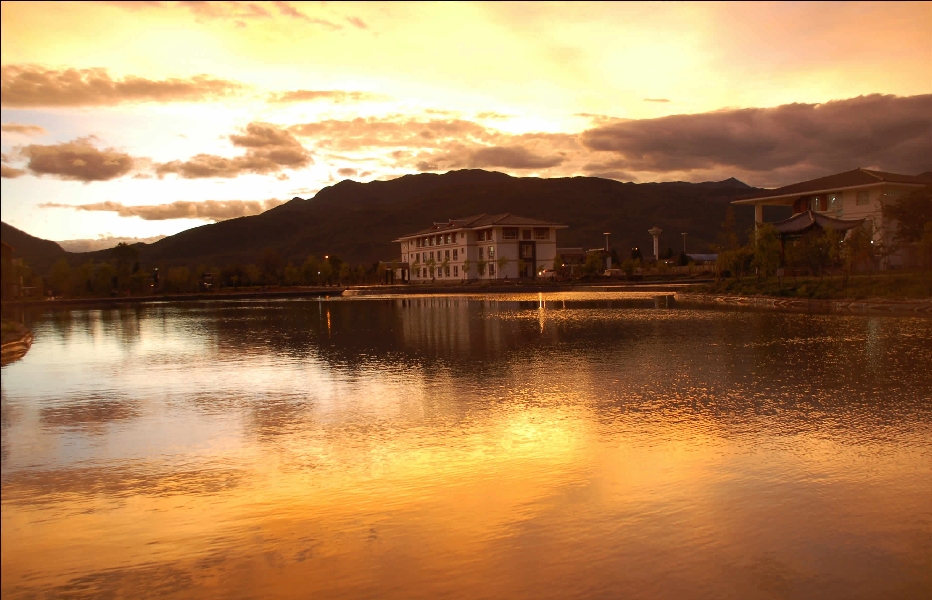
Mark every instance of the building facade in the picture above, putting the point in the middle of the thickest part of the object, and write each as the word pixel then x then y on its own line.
pixel 502 246
pixel 857 195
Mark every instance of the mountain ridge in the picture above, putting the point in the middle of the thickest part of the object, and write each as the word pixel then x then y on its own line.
pixel 357 221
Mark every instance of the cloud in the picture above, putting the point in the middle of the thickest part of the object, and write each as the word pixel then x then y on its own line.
pixel 27 130
pixel 207 210
pixel 511 157
pixel 335 96
pixel 346 172
pixel 656 100
pixel 238 12
pixel 269 149
pixel 77 160
pixel 29 86
pixel 7 172
pixel 795 139
pixel 104 242
pixel 360 133
pixel 356 22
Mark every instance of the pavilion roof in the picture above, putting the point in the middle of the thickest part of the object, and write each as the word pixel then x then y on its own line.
pixel 805 221
pixel 848 179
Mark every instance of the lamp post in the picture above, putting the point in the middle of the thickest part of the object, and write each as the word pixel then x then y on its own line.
pixel 684 242
pixel 608 253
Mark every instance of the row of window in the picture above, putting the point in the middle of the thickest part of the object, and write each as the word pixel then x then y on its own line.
pixel 436 240
pixel 485 235
pixel 425 256
pixel 425 272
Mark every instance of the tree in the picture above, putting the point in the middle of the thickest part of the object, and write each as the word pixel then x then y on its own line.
pixel 593 263
pixel 480 267
pixel 728 236
pixel 502 262
pixel 431 263
pixel 856 251
pixel 909 214
pixel 310 269
pixel 271 264
pixel 766 251
pixel 521 266
pixel 467 267
pixel 61 277
pixel 344 272
pixel 557 262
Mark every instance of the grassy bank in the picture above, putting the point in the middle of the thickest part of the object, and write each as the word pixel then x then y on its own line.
pixel 892 286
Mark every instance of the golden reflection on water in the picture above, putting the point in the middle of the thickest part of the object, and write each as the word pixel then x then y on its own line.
pixel 564 445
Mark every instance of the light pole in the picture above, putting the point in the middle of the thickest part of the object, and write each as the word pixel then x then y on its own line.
pixel 684 242
pixel 608 254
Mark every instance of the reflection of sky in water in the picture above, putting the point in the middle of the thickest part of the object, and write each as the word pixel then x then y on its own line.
pixel 527 445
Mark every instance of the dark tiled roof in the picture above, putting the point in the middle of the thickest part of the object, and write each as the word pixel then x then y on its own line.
pixel 805 221
pixel 843 180
pixel 483 220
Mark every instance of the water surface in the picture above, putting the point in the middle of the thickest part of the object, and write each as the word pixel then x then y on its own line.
pixel 555 446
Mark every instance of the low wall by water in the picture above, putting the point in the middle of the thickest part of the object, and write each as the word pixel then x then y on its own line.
pixel 15 343
pixel 872 306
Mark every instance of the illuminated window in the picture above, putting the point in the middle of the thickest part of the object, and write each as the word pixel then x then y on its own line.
pixel 541 233
pixel 447 239
pixel 491 253
pixel 863 198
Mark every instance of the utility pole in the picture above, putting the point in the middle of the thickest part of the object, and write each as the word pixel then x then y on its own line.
pixel 684 242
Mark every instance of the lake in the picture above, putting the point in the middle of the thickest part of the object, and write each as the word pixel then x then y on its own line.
pixel 564 445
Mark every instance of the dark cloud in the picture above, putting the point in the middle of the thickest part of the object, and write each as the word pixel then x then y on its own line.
pixel 346 172
pixel 356 22
pixel 7 172
pixel 335 96
pixel 207 210
pixel 793 139
pixel 360 133
pixel 21 129
pixel 27 86
pixel 512 157
pixel 269 149
pixel 77 160
pixel 226 10
pixel 663 100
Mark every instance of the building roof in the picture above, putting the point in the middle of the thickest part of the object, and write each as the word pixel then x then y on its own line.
pixel 849 179
pixel 805 221
pixel 483 220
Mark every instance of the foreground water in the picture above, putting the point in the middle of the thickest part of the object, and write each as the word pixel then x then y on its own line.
pixel 558 446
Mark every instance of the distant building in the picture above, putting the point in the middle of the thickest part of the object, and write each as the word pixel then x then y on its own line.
pixel 479 247
pixel 841 201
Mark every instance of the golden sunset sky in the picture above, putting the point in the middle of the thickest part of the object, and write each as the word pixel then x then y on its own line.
pixel 137 119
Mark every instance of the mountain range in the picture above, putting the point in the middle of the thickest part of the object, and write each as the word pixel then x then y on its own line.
pixel 358 221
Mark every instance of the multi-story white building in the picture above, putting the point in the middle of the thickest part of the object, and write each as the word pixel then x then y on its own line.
pixel 480 247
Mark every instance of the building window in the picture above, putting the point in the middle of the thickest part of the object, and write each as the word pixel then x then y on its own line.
pixel 432 255
pixel 446 254
pixel 446 271
pixel 455 254
pixel 863 198
pixel 491 269
pixel 456 271
pixel 454 238
pixel 509 233
pixel 541 233
pixel 525 234
pixel 480 253
pixel 448 238
pixel 491 252
pixel 527 251
pixel 431 241
pixel 835 204
pixel 425 273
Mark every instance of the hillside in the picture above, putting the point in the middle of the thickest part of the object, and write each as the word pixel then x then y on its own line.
pixel 39 254
pixel 357 221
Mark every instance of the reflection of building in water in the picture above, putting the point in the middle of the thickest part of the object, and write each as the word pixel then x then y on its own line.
pixel 479 247
pixel 440 324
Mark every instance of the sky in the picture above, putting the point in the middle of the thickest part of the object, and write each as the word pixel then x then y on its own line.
pixel 134 120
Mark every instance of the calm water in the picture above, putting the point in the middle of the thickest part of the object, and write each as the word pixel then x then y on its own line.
pixel 562 446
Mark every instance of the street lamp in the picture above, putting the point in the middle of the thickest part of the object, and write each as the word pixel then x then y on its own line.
pixel 684 242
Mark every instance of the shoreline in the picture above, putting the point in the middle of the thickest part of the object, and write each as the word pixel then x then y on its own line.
pixel 15 344
pixel 680 290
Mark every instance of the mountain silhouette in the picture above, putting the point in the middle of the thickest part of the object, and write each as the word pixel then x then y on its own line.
pixel 358 221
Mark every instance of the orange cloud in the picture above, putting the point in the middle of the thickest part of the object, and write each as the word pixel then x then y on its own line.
pixel 29 86
pixel 29 130
pixel 207 210
pixel 77 160
pixel 269 149
pixel 7 172
pixel 335 96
